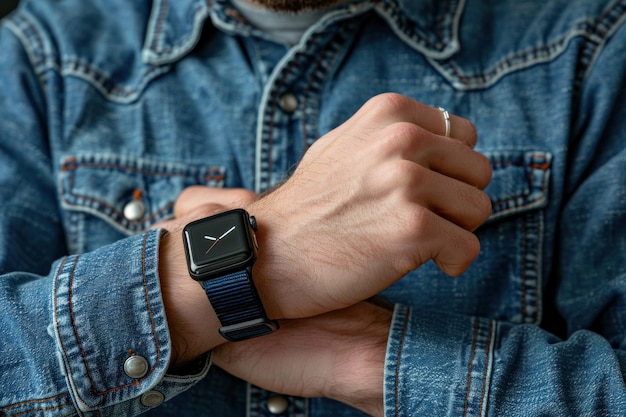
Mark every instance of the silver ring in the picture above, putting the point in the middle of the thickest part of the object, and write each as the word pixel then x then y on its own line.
pixel 446 118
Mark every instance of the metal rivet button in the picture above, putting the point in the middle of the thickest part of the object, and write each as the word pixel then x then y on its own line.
pixel 277 404
pixel 152 398
pixel 136 366
pixel 289 103
pixel 135 209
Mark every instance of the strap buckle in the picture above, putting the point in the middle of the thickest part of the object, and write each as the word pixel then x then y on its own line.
pixel 249 329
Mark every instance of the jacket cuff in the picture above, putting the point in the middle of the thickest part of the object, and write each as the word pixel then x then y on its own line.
pixel 437 362
pixel 111 330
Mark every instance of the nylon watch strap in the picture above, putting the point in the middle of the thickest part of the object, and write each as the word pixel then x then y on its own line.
pixel 238 306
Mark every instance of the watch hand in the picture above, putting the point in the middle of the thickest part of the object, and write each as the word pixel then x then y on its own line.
pixel 225 233
pixel 217 239
pixel 214 243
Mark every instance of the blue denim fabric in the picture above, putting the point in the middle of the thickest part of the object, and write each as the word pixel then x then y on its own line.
pixel 108 101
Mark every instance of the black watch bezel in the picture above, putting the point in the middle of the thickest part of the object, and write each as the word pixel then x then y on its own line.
pixel 237 250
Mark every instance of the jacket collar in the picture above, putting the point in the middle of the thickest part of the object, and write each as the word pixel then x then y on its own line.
pixel 175 26
pixel 430 26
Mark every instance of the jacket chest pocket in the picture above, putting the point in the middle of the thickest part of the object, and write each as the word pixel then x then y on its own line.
pixel 505 281
pixel 108 197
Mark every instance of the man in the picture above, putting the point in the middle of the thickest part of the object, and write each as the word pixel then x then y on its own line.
pixel 128 126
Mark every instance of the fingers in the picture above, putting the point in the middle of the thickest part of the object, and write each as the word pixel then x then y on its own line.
pixel 457 249
pixel 390 107
pixel 427 236
pixel 434 167
pixel 446 156
pixel 450 158
pixel 193 198
pixel 456 201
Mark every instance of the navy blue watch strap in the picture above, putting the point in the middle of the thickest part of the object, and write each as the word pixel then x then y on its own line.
pixel 238 306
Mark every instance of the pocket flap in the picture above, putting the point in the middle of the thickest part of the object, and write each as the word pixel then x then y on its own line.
pixel 520 181
pixel 103 185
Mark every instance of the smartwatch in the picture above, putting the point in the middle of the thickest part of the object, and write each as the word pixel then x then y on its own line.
pixel 220 252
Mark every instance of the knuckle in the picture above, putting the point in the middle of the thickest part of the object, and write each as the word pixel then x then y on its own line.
pixel 421 222
pixel 485 206
pixel 466 249
pixel 472 245
pixel 387 104
pixel 242 195
pixel 415 229
pixel 384 180
pixel 407 177
pixel 401 137
pixel 470 134
pixel 478 209
pixel 485 171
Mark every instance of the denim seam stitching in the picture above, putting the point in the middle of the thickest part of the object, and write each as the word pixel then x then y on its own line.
pixel 607 24
pixel 536 225
pixel 116 215
pixel 72 164
pixel 157 31
pixel 544 185
pixel 406 28
pixel 75 67
pixel 42 61
pixel 33 46
pixel 524 278
pixel 512 63
pixel 523 269
pixel 470 367
pixel 39 410
pixel 154 50
pixel 269 117
pixel 399 359
pixel 329 57
pixel 487 368
pixel 41 400
pixel 305 101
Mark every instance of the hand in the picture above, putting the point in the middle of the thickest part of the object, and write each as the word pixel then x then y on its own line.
pixel 338 355
pixel 371 200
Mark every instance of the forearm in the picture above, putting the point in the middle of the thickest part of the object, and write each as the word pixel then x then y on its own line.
pixel 338 355
pixel 358 379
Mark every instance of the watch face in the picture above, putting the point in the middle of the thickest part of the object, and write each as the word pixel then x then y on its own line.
pixel 219 244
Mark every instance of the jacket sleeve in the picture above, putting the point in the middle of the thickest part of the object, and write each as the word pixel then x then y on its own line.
pixel 448 365
pixel 68 323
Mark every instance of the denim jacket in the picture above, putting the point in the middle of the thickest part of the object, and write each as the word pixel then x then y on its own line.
pixel 110 108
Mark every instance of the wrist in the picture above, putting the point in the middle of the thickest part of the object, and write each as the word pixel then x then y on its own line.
pixel 272 263
pixel 359 380
pixel 285 284
pixel 193 325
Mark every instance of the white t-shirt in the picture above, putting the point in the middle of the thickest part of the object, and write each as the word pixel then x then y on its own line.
pixel 282 26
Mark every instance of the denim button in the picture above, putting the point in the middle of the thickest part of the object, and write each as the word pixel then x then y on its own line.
pixel 152 398
pixel 136 366
pixel 277 404
pixel 134 210
pixel 289 103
